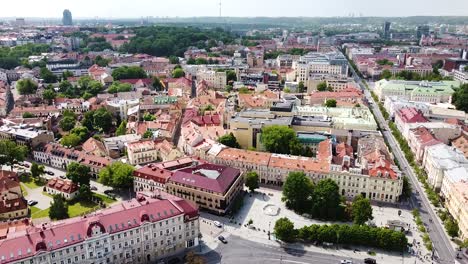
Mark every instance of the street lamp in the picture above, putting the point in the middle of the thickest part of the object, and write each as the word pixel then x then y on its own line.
pixel 269 224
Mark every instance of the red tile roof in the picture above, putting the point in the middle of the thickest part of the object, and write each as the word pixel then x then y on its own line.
pixel 64 186
pixel 127 215
pixel 194 176
pixel 411 115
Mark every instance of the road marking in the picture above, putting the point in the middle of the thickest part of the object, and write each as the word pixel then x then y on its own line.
pixel 290 261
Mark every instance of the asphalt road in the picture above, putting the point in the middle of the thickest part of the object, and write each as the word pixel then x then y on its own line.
pixel 239 250
pixel 443 250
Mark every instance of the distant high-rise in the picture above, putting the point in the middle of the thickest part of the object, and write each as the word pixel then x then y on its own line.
pixel 422 31
pixel 386 30
pixel 67 18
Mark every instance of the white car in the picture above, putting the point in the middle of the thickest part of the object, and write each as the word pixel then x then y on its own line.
pixel 346 261
pixel 217 224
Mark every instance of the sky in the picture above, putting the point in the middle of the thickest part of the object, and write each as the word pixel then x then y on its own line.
pixel 232 8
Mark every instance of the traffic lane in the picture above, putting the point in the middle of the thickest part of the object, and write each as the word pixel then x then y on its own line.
pixel 239 250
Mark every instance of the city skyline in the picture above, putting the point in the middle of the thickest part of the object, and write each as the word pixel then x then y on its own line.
pixel 230 8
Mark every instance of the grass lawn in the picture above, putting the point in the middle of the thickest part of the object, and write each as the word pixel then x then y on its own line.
pixel 80 208
pixel 106 199
pixel 25 193
pixel 30 182
pixel 38 213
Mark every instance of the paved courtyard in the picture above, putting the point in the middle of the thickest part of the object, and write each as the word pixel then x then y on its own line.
pixel 265 207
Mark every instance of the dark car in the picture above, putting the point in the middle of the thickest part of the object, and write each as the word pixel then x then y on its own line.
pixel 222 239
pixel 32 202
pixel 50 173
pixel 370 261
pixel 93 188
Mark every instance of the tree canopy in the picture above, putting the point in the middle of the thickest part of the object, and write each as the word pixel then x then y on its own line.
pixel 47 75
pixel 177 73
pixel 460 98
pixel 326 200
pixel 37 170
pixel 128 72
pixel 117 175
pixel 11 153
pixel 280 139
pixel 284 230
pixel 229 140
pixel 58 208
pixel 297 192
pixel 251 180
pixel 321 87
pixel 122 129
pixel 100 119
pixel 173 41
pixel 26 86
pixel 330 103
pixel 118 87
pixel 361 210
pixel 78 173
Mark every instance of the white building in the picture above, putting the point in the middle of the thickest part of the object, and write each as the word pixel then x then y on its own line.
pixel 214 79
pixel 441 158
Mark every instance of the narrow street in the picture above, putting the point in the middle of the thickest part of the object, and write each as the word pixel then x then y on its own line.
pixel 443 248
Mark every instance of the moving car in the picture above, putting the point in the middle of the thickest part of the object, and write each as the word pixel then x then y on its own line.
pixel 346 261
pixel 63 177
pixel 217 224
pixel 222 239
pixel 32 202
pixel 50 173
pixel 370 261
pixel 93 188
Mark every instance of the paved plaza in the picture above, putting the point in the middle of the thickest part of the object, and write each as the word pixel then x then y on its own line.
pixel 265 206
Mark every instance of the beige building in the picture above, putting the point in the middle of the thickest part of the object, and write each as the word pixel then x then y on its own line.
pixel 456 203
pixel 214 79
pixel 142 152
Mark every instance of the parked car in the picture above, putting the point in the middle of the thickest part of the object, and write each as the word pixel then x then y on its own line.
pixel 93 188
pixel 50 173
pixel 108 192
pixel 370 261
pixel 346 261
pixel 62 177
pixel 25 165
pixel 222 239
pixel 217 224
pixel 32 202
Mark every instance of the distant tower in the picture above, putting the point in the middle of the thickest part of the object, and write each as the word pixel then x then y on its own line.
pixel 67 18
pixel 386 30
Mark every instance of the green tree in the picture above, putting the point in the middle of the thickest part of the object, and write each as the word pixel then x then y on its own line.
pixel 26 86
pixel 326 200
pixel 157 84
pixel 451 226
pixel 297 192
pixel 386 74
pixel 67 123
pixel 67 74
pixel 460 98
pixel 118 87
pixel 49 95
pixel 229 140
pixel 322 87
pixel 78 173
pixel 66 87
pixel 148 134
pixel 85 193
pixel 37 170
pixel 300 87
pixel 70 140
pixel 231 76
pixel 330 103
pixel 46 75
pixel 284 230
pixel 103 119
pixel 58 208
pixel 126 72
pixel 117 175
pixel 251 180
pixel 148 117
pixel 28 115
pixel 173 60
pixel 122 129
pixel 361 210
pixel 100 61
pixel 82 132
pixel 177 73
pixel 279 139
pixel 11 153
pixel 407 189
